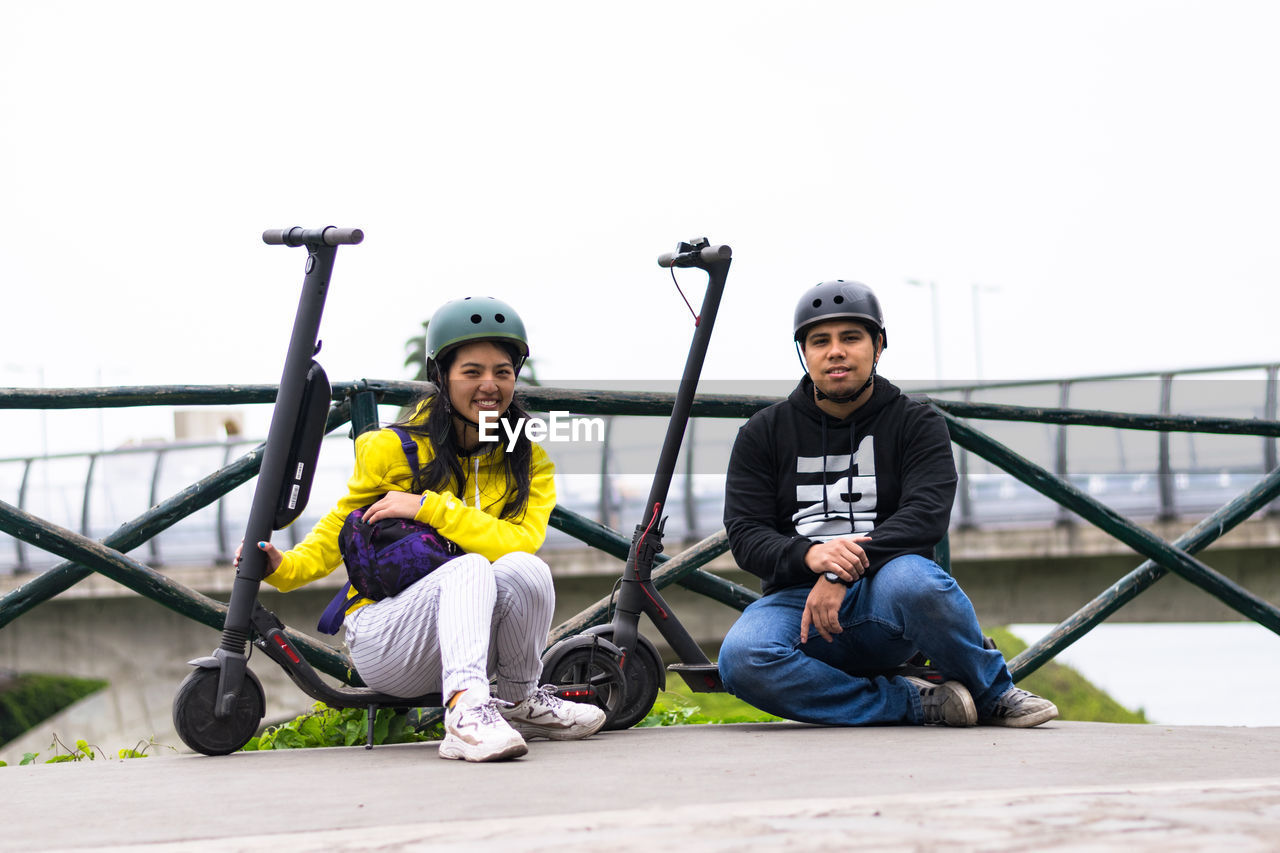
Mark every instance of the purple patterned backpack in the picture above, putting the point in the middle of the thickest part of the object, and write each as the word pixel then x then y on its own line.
pixel 388 556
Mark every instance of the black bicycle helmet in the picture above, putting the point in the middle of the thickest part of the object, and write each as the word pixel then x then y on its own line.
pixel 839 300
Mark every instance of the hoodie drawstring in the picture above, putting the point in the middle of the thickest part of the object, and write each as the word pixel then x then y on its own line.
pixel 848 473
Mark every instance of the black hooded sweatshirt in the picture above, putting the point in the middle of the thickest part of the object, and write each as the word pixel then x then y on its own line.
pixel 799 476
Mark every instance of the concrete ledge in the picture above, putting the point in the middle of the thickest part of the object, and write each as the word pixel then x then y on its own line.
pixel 764 786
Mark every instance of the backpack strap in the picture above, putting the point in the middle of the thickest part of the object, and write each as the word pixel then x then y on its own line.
pixel 410 448
pixel 336 611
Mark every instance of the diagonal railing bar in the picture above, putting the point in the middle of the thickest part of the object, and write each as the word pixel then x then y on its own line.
pixel 664 575
pixel 1108 520
pixel 156 519
pixel 694 578
pixel 147 582
pixel 1127 588
pixel 1119 420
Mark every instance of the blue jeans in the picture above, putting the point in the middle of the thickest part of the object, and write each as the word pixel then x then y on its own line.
pixel 910 605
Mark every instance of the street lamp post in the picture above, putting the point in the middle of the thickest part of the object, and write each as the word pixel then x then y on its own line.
pixel 977 329
pixel 937 325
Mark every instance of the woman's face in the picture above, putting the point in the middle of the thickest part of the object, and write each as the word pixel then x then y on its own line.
pixel 481 379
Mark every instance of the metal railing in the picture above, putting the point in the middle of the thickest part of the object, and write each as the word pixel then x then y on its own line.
pixel 358 403
pixel 1145 480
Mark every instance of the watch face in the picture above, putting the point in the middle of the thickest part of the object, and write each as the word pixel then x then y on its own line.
pixel 832 576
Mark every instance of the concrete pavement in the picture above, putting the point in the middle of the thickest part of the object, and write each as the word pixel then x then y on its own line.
pixel 1087 786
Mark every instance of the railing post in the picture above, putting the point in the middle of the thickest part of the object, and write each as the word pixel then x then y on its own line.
pixel 942 553
pixel 1271 412
pixel 690 508
pixel 606 484
pixel 1064 516
pixel 965 503
pixel 88 488
pixel 1167 511
pixel 364 410
pixel 152 499
pixel 220 530
pixel 22 505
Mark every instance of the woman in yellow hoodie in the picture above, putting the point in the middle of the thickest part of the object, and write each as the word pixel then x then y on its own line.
pixel 483 614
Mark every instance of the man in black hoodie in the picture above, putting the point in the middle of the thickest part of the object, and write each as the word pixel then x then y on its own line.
pixel 836 498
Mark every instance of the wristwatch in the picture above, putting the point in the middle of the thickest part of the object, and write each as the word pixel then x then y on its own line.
pixel 833 577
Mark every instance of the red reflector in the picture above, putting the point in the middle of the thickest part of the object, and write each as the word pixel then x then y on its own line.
pixel 574 694
pixel 288 650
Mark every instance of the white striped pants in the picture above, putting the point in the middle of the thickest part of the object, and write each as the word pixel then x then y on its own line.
pixel 464 623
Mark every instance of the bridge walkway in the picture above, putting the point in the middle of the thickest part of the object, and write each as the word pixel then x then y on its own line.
pixel 1063 786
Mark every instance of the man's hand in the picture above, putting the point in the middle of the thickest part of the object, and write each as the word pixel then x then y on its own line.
pixel 394 505
pixel 822 610
pixel 843 555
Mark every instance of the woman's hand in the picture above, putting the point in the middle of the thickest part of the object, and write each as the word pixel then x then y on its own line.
pixel 394 505
pixel 274 557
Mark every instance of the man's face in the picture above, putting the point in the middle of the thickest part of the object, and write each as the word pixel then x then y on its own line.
pixel 839 355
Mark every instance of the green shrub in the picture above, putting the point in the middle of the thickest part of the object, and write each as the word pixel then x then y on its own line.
pixel 26 700
pixel 84 751
pixel 325 726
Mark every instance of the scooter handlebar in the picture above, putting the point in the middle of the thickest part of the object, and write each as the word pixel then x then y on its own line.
pixel 327 236
pixel 705 255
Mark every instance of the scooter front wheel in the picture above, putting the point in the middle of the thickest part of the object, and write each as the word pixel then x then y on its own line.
pixel 643 677
pixel 200 729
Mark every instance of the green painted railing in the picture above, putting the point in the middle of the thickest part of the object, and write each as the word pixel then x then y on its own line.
pixel 356 403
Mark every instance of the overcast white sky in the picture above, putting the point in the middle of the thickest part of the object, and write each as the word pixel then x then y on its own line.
pixel 1106 172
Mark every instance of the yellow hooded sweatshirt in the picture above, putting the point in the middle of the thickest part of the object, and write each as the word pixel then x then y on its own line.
pixel 471 519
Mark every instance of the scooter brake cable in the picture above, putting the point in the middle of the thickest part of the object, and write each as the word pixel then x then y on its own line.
pixel 696 318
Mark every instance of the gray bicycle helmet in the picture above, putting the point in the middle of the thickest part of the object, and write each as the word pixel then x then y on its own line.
pixel 474 318
pixel 839 300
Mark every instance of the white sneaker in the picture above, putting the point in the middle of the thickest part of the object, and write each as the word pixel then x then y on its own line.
pixel 544 714
pixel 476 731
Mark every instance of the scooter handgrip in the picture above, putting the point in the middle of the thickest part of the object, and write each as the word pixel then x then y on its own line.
pixel 707 255
pixel 327 236
pixel 711 254
pixel 343 236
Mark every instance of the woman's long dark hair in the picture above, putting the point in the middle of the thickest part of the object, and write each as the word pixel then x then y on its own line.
pixel 444 469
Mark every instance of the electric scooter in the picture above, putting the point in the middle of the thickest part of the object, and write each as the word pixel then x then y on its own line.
pixel 219 706
pixel 614 665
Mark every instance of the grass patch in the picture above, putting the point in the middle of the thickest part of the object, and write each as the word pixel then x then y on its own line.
pixel 28 700
pixel 680 706
pixel 1075 696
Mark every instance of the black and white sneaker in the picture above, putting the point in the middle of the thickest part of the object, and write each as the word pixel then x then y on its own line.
pixel 945 704
pixel 1020 709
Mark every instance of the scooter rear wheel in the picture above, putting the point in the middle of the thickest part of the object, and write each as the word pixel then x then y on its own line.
pixel 582 666
pixel 196 723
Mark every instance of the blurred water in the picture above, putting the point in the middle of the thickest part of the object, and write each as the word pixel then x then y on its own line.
pixel 1218 674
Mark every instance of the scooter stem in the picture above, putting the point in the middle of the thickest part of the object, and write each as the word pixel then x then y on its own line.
pixel 284 417
pixel 647 541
